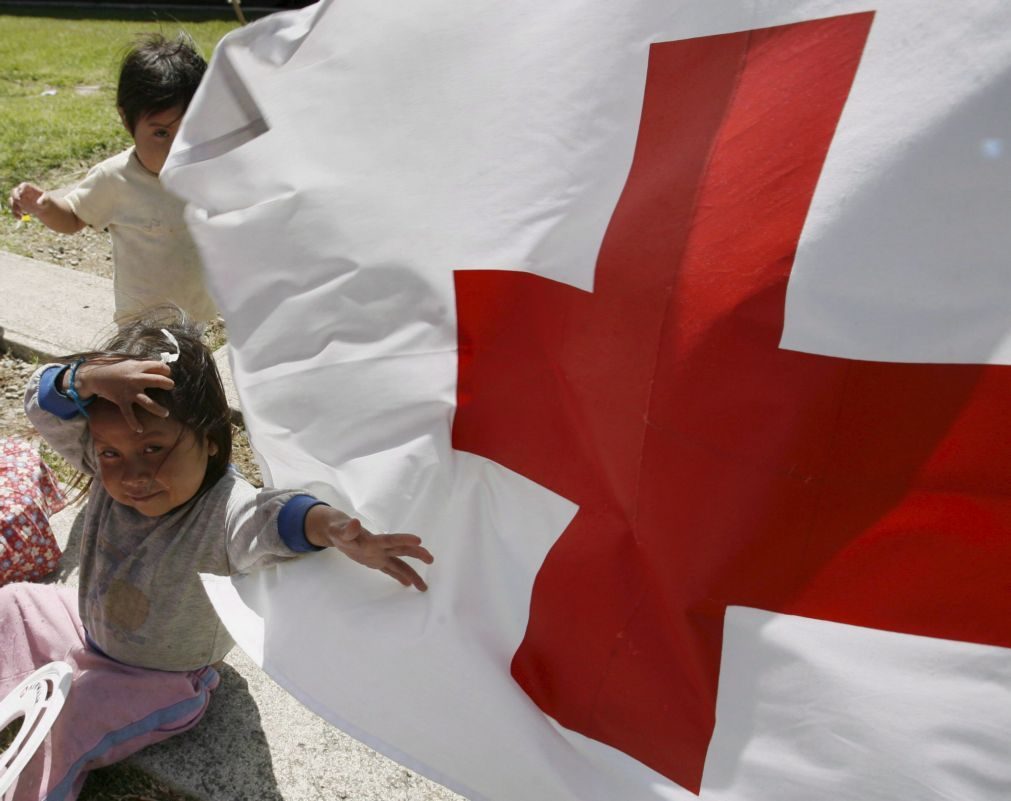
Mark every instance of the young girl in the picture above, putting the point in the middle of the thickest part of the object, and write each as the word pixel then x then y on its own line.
pixel 148 419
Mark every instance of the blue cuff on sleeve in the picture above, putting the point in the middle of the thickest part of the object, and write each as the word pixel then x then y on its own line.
pixel 291 523
pixel 50 397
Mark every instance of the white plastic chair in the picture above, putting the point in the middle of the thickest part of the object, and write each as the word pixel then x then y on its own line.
pixel 38 699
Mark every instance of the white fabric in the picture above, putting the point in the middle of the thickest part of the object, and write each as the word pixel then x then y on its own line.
pixel 409 141
pixel 153 253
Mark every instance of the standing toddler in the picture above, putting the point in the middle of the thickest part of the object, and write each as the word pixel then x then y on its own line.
pixel 154 257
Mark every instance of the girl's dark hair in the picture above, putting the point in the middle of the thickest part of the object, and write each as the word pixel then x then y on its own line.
pixel 197 400
pixel 157 74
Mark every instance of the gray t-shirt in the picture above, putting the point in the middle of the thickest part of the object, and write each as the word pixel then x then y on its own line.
pixel 140 595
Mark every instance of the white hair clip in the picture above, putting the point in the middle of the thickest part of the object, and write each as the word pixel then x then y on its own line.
pixel 166 357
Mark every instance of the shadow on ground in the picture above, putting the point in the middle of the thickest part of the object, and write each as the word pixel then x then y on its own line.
pixel 228 744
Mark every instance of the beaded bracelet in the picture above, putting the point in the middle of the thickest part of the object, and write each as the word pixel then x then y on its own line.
pixel 72 390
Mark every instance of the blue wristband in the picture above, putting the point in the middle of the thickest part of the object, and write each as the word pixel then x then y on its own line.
pixel 72 390
pixel 291 523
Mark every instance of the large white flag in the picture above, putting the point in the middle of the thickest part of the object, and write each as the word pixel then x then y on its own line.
pixel 679 331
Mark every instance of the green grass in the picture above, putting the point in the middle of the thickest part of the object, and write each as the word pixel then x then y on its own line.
pixel 46 135
pixel 52 139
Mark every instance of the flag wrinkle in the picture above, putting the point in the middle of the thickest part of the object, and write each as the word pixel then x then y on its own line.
pixel 665 321
pixel 279 371
pixel 241 116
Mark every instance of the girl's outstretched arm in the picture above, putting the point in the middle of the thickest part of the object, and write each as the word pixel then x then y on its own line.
pixel 326 527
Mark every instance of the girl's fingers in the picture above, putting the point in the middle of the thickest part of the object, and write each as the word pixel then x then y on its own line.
pixel 413 551
pixel 394 574
pixel 149 366
pixel 405 574
pixel 159 381
pixel 149 405
pixel 153 368
pixel 384 552
pixel 131 419
pixel 400 540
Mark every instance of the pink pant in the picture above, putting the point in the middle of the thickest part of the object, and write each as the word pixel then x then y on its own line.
pixel 112 711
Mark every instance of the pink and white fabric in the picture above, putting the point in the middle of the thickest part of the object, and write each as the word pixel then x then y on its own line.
pixel 29 495
pixel 679 332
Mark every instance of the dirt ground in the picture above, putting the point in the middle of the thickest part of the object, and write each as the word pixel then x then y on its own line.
pixel 87 250
pixel 14 374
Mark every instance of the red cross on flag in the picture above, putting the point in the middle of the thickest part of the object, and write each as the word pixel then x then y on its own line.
pixel 680 334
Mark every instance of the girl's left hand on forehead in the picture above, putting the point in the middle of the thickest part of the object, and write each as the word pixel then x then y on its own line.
pixel 124 383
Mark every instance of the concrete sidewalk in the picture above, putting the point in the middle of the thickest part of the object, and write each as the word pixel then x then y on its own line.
pixel 256 743
pixel 48 311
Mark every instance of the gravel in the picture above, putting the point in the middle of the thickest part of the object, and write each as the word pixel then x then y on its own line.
pixel 88 250
pixel 14 375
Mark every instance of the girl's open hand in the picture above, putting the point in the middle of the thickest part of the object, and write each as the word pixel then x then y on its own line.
pixel 123 383
pixel 327 527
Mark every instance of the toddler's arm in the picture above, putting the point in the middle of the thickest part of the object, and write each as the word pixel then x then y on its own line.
pixel 53 212
pixel 326 527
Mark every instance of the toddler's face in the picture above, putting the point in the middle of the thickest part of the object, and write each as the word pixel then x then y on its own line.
pixel 153 137
pixel 154 471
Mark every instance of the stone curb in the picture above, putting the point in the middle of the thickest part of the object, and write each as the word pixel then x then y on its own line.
pixel 47 311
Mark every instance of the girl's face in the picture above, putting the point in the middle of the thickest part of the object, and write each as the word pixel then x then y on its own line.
pixel 154 471
pixel 154 135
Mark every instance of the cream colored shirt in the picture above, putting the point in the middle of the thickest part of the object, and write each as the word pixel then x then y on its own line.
pixel 155 259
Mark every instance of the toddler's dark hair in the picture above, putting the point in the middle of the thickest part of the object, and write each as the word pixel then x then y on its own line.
pixel 157 74
pixel 198 398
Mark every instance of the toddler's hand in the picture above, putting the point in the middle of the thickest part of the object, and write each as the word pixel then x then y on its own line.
pixel 123 383
pixel 26 199
pixel 327 527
